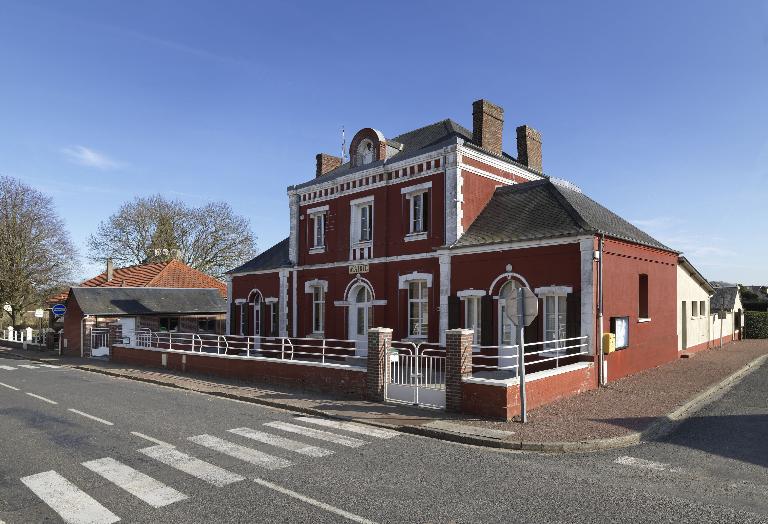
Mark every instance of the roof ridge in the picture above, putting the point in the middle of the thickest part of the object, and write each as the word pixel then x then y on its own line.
pixel 443 121
pixel 580 220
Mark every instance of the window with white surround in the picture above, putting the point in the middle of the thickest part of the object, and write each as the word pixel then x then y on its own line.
pixel 555 311
pixel 318 230
pixel 419 212
pixel 694 308
pixel 418 320
pixel 472 317
pixel 620 328
pixel 318 309
pixel 362 220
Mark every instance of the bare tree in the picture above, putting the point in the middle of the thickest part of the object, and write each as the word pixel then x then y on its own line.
pixel 211 238
pixel 36 253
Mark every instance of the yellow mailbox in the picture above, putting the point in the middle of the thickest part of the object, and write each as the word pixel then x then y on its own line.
pixel 609 342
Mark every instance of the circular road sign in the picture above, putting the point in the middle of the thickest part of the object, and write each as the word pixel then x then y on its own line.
pixel 59 309
pixel 530 302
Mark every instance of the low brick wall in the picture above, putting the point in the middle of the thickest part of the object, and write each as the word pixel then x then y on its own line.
pixel 501 400
pixel 337 379
pixel 13 344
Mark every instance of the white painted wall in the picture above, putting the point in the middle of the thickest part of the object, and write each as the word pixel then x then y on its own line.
pixel 724 327
pixel 697 327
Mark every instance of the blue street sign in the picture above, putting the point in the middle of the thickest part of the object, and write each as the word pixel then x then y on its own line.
pixel 59 310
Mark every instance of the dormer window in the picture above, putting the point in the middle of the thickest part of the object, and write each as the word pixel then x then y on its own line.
pixel 365 152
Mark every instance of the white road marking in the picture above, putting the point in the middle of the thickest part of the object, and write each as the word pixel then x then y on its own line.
pixel 26 366
pixel 645 464
pixel 71 503
pixel 282 442
pixel 156 441
pixel 142 486
pixel 322 505
pixel 86 415
pixel 250 455
pixel 42 398
pixel 8 368
pixel 49 366
pixel 318 434
pixel 350 426
pixel 206 471
pixel 8 386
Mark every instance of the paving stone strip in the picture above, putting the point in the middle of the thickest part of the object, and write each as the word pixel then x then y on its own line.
pixel 640 407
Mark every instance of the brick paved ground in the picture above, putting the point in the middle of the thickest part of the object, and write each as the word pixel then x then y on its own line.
pixel 623 407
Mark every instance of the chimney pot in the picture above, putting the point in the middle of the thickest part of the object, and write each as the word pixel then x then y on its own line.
pixel 488 125
pixel 110 270
pixel 326 163
pixel 529 147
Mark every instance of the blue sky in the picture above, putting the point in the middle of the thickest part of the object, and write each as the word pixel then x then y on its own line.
pixel 658 110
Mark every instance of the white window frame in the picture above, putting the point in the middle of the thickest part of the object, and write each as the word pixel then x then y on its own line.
pixel 317 216
pixel 356 220
pixel 414 194
pixel 422 318
pixel 555 293
pixel 318 310
pixel 475 324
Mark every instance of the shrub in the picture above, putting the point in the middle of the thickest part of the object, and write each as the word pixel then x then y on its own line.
pixel 756 324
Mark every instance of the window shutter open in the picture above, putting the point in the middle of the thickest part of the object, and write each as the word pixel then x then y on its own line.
pixel 573 315
pixel 425 204
pixel 486 321
pixel 454 313
pixel 532 332
pixel 233 319
pixel 247 311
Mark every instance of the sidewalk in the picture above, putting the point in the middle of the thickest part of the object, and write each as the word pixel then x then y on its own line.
pixel 643 406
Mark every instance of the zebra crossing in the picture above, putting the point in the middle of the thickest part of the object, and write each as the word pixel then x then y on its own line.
pixel 75 506
pixel 5 367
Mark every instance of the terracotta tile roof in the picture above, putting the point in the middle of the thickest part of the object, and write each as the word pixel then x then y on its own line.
pixel 174 273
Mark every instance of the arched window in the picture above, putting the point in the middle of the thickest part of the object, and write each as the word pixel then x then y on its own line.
pixel 365 152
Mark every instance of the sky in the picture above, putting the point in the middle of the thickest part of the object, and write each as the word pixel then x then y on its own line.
pixel 656 109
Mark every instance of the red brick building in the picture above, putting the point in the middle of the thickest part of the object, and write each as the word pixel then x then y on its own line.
pixel 431 229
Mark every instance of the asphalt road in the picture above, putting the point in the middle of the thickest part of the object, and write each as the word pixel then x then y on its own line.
pixel 111 449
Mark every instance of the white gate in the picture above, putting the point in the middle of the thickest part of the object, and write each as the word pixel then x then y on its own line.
pixel 99 342
pixel 415 374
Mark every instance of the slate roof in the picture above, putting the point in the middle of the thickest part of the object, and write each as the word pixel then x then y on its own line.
pixel 115 301
pixel 414 143
pixel 723 299
pixel 273 258
pixel 547 209
pixel 172 273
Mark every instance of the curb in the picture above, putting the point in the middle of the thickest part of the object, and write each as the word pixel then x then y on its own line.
pixel 661 427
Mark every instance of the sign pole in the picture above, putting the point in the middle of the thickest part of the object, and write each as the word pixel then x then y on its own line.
pixel 521 353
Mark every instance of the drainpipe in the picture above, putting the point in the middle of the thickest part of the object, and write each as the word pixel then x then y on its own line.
pixel 601 355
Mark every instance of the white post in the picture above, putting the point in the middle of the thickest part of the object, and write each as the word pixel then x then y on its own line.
pixel 521 352
pixel 29 334
pixel 10 333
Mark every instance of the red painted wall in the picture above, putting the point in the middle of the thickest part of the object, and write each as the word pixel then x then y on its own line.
pixel 650 343
pixel 72 321
pixel 338 381
pixel 504 402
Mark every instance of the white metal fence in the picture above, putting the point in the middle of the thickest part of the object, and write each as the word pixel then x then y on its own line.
pixel 416 374
pixel 502 361
pixel 314 350
pixel 33 336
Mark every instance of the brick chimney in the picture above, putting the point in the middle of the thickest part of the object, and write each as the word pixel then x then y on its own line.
pixel 326 163
pixel 487 125
pixel 110 270
pixel 529 147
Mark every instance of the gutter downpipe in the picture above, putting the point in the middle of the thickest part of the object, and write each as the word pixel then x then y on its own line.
pixel 601 356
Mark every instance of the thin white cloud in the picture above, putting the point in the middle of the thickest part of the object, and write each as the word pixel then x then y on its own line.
pixel 85 156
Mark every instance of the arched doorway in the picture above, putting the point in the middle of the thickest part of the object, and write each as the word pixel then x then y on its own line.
pixel 360 300
pixel 507 331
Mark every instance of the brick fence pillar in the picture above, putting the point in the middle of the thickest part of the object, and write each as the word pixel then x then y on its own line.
pixel 458 365
pixel 379 341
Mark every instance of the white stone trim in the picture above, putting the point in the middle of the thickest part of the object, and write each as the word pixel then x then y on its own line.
pixel 293 243
pixel 412 237
pixel 295 309
pixel 359 279
pixel 240 301
pixel 283 313
pixel 403 280
pixel 467 293
pixel 408 191
pixel 498 164
pixel 484 174
pixel 445 292
pixel 509 275
pixel 588 300
pixel 229 305
pixel 508 246
pixel 316 210
pixel 553 291
pixel 271 300
pixel 529 377
pixel 361 200
pixel 316 250
pixel 309 284
pixel 452 200
pixel 341 303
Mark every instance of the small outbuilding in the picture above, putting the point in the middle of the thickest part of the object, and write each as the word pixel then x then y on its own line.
pixel 96 316
pixel 727 315
pixel 693 294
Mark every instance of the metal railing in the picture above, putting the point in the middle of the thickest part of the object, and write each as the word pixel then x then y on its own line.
pixel 502 362
pixel 33 336
pixel 311 350
pixel 417 364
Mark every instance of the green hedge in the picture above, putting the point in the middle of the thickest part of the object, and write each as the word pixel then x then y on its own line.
pixel 756 324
